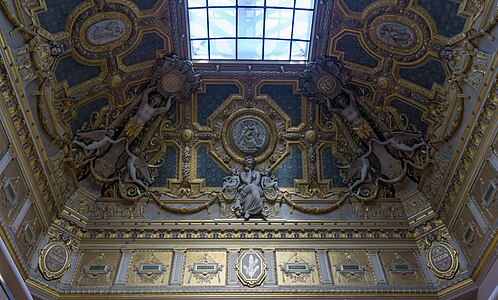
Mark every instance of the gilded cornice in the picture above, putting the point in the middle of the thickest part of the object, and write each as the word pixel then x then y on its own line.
pixel 479 135
pixel 24 145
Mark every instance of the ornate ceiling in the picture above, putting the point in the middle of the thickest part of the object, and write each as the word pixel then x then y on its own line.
pixel 134 142
pixel 390 55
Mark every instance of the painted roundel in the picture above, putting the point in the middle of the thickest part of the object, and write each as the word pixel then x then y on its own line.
pixel 101 30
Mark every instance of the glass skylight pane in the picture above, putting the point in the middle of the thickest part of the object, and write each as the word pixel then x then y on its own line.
pixel 310 4
pixel 221 2
pixel 277 50
pixel 222 49
pixel 250 49
pixel 302 24
pixel 221 22
pixel 198 23
pixel 251 2
pixel 280 3
pixel 278 23
pixel 251 22
pixel 196 3
pixel 250 29
pixel 300 50
pixel 199 49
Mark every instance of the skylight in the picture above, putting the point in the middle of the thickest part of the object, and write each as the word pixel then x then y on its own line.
pixel 250 29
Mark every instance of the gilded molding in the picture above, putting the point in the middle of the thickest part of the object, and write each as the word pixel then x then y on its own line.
pixel 25 139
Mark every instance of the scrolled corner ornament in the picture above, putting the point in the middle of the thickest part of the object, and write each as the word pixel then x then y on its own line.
pixel 442 260
pixel 53 260
pixel 251 268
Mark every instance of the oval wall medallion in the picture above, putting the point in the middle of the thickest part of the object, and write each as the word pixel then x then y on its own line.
pixel 54 260
pixel 395 34
pixel 105 32
pixel 442 260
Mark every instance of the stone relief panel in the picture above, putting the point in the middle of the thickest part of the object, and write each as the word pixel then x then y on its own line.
pixel 150 268
pixel 484 191
pixel 468 233
pixel 395 34
pixel 102 31
pixel 105 31
pixel 28 233
pixel 401 268
pixel 13 191
pixel 351 268
pixel 96 268
pixel 205 268
pixel 297 267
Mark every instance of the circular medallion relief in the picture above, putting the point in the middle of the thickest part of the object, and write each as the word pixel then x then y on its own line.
pixel 172 83
pixel 249 131
pixel 326 84
pixel 249 135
